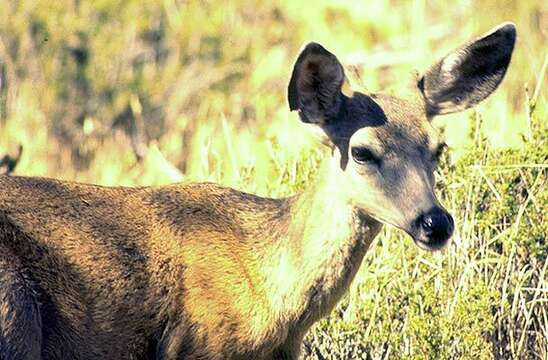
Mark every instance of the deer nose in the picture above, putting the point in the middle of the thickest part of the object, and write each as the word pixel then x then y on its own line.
pixel 436 227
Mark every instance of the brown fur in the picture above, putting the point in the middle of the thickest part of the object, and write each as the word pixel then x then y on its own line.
pixel 119 273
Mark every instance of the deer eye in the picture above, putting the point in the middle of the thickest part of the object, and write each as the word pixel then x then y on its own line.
pixel 363 155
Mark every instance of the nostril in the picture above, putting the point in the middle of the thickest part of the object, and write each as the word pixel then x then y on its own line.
pixel 427 222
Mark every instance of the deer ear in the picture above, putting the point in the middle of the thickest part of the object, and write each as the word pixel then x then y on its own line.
pixel 315 86
pixel 470 74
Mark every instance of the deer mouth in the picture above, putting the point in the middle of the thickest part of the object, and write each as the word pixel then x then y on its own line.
pixel 429 245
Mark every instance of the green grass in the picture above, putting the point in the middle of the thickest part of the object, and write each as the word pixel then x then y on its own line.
pixel 120 93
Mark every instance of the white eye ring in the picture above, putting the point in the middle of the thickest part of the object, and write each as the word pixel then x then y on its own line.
pixel 363 155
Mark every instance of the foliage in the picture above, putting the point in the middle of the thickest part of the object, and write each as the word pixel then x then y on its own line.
pixel 147 93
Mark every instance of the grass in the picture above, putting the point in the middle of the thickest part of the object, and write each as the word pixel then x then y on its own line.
pixel 121 93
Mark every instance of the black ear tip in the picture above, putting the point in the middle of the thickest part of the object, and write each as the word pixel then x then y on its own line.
pixel 313 44
pixel 508 30
pixel 508 27
pixel 315 48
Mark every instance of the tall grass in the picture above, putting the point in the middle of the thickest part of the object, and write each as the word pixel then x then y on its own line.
pixel 132 93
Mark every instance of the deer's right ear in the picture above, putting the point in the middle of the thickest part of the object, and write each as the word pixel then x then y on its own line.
pixel 315 86
pixel 468 75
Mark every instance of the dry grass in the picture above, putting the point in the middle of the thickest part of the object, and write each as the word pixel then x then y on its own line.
pixel 117 92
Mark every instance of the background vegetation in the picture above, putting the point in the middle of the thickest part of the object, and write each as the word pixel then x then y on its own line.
pixel 145 93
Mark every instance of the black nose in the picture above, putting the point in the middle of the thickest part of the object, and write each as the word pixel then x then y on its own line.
pixel 435 227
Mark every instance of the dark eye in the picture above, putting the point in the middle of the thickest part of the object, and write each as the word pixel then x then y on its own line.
pixel 439 151
pixel 363 155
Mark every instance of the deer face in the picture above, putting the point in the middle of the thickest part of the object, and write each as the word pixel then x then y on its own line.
pixel 385 148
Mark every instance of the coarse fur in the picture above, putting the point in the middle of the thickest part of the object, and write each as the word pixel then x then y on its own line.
pixel 199 271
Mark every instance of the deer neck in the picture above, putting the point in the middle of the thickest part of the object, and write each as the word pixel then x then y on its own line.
pixel 310 268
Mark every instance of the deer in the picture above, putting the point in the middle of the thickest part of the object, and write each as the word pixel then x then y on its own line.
pixel 202 271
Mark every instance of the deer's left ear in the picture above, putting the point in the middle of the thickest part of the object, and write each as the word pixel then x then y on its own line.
pixel 315 86
pixel 470 74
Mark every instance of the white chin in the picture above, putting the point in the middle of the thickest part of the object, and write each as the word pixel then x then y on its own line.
pixel 427 247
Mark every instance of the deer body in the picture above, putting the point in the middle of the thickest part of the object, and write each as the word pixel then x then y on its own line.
pixel 119 268
pixel 198 271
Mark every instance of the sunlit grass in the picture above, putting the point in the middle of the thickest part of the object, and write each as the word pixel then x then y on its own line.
pixel 208 81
